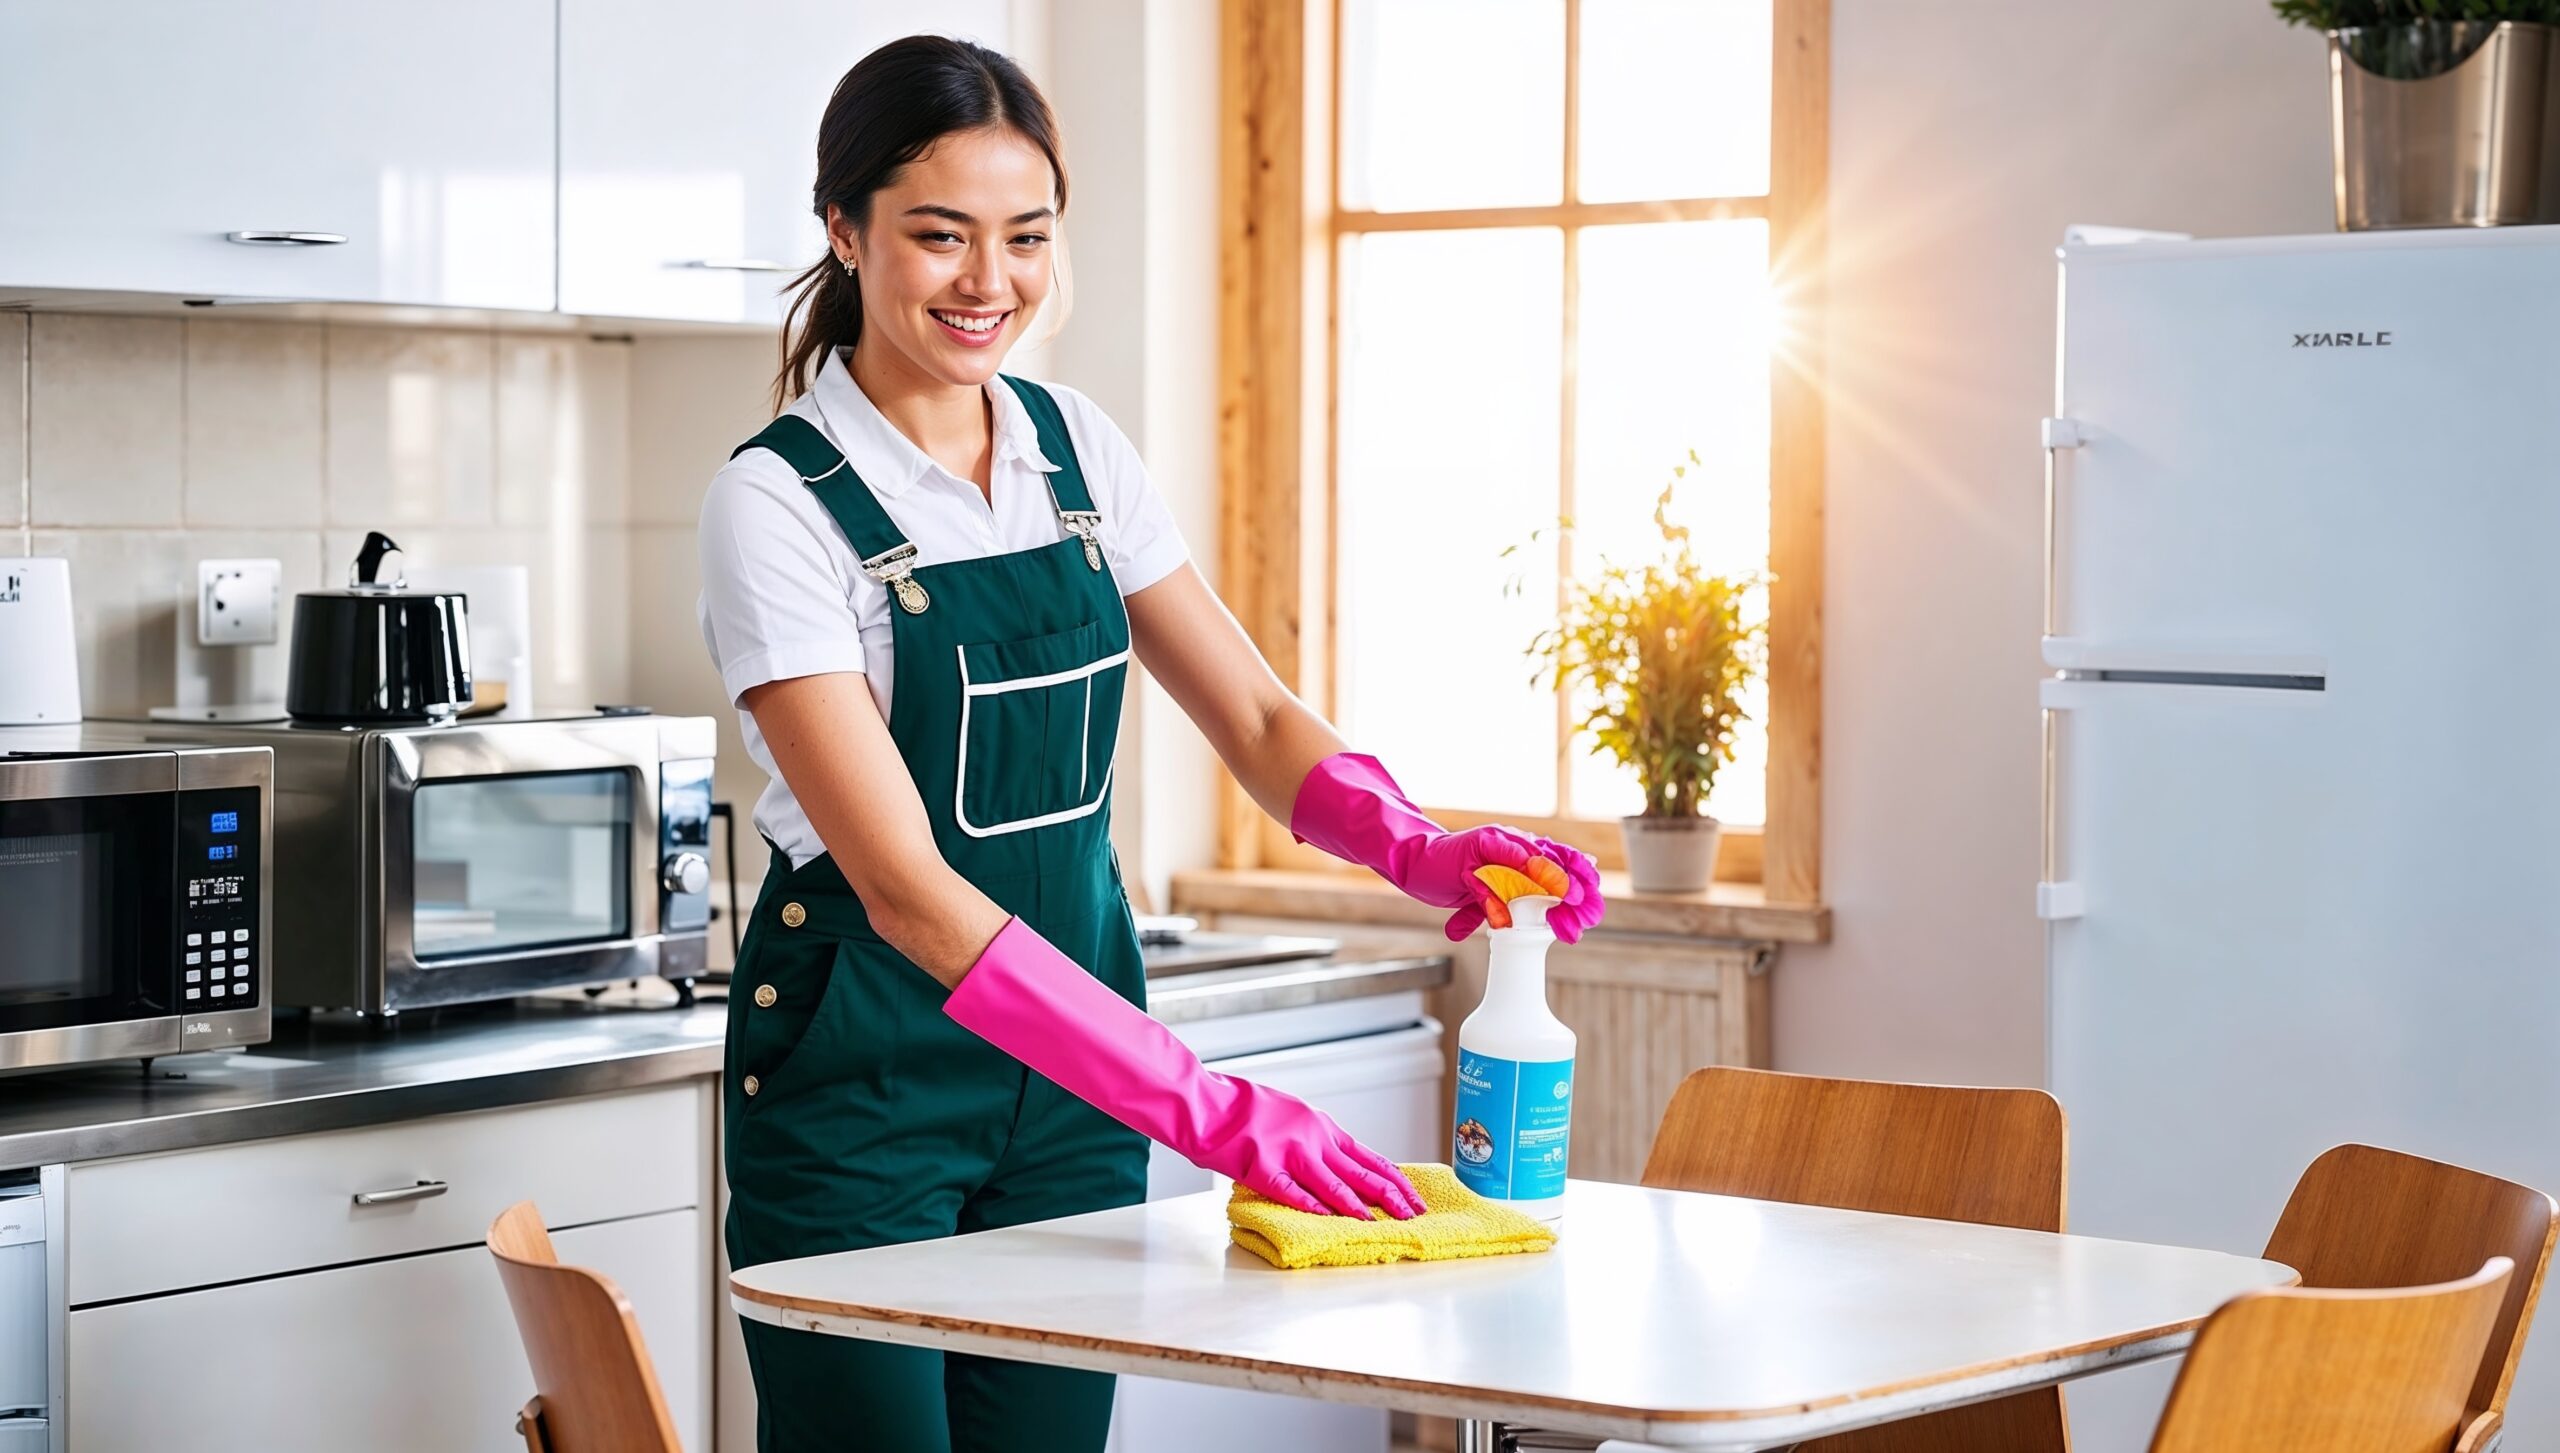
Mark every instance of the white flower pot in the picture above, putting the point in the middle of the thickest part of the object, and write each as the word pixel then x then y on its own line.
pixel 1671 854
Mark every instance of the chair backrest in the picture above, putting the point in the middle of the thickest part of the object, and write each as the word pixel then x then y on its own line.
pixel 2296 1370
pixel 1954 1154
pixel 597 1391
pixel 2362 1216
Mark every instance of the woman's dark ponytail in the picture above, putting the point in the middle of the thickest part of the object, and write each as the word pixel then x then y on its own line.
pixel 888 110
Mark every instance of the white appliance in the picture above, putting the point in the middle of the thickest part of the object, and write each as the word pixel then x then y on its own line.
pixel 31 1313
pixel 39 656
pixel 2303 782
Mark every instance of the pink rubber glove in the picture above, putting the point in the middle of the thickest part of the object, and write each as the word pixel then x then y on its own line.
pixel 1351 808
pixel 1033 1002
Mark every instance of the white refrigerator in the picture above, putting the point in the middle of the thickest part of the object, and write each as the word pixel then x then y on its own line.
pixel 2302 733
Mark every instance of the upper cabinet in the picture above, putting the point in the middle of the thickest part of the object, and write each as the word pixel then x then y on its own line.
pixel 301 149
pixel 688 144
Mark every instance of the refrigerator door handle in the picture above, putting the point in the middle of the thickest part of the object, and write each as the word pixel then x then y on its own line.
pixel 2057 898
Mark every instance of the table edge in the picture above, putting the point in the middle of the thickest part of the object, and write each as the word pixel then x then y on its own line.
pixel 744 1297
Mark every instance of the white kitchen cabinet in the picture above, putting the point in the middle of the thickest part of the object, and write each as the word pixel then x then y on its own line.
pixel 138 136
pixel 263 1207
pixel 688 144
pixel 415 1353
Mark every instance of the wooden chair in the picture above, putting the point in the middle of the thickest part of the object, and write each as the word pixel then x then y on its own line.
pixel 596 1390
pixel 1994 1157
pixel 2290 1370
pixel 2364 1217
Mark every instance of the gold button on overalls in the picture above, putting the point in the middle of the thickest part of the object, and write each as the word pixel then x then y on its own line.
pixel 765 996
pixel 793 915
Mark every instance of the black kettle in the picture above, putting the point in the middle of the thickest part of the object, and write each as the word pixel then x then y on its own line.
pixel 376 652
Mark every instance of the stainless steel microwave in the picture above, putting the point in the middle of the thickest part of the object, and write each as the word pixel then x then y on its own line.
pixel 134 887
pixel 428 865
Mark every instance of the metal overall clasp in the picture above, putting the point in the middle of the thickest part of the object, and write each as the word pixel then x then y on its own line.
pixel 1085 525
pixel 896 569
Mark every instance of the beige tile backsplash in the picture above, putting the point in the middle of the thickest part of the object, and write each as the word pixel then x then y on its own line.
pixel 411 423
pixel 135 447
pixel 252 427
pixel 106 406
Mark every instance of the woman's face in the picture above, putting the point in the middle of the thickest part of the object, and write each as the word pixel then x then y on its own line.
pixel 954 261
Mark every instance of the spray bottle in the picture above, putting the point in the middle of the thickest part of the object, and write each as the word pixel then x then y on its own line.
pixel 1515 1072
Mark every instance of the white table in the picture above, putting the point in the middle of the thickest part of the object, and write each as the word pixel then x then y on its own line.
pixel 1662 1317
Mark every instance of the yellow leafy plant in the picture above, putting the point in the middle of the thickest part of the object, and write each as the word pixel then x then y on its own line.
pixel 1665 651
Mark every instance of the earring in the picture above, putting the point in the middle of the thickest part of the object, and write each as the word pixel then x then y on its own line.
pixel 848 267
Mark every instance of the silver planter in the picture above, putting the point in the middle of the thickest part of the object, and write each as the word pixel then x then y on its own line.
pixel 2445 124
pixel 1670 854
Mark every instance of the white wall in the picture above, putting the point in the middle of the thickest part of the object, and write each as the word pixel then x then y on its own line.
pixel 1965 135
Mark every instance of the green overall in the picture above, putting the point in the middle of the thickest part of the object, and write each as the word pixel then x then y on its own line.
pixel 857 1114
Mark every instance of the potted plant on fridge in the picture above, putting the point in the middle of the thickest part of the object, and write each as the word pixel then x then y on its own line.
pixel 2440 110
pixel 1663 652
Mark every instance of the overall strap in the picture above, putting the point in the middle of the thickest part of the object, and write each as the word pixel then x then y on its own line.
pixel 822 467
pixel 1067 484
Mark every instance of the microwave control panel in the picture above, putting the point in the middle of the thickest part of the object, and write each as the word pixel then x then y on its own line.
pixel 218 873
pixel 684 845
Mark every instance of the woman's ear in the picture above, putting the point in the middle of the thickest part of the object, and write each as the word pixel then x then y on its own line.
pixel 842 235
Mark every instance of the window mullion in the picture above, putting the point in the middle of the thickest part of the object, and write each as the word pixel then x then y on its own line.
pixel 1568 375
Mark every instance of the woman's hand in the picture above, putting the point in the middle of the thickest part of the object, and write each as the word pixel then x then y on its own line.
pixel 1026 998
pixel 1582 905
pixel 1351 808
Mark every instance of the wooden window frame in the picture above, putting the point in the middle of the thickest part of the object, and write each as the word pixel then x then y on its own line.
pixel 1277 394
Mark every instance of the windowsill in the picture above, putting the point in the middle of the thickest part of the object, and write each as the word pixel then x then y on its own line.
pixel 1724 911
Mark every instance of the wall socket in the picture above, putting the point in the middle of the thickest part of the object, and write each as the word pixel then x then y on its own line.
pixel 237 601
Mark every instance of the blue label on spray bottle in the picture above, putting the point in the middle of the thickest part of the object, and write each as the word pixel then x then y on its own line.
pixel 1513 1119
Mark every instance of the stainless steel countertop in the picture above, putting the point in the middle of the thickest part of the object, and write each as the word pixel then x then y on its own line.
pixel 331 1072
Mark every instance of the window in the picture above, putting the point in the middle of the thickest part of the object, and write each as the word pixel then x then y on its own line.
pixel 1507 262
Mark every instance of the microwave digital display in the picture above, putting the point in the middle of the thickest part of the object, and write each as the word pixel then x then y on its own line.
pixel 221 852
pixel 224 822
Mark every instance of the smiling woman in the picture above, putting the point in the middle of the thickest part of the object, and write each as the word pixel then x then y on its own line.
pixel 925 585
pixel 970 149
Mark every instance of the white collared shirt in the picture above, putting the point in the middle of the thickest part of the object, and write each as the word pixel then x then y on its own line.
pixel 783 593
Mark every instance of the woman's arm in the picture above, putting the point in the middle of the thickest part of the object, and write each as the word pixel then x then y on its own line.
pixel 1015 990
pixel 831 745
pixel 1192 645
pixel 1296 767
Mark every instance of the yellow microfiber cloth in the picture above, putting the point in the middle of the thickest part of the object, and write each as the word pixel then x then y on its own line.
pixel 1455 1222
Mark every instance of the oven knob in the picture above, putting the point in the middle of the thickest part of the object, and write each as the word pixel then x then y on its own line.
pixel 685 873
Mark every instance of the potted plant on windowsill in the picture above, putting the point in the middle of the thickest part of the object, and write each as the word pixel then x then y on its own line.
pixel 1664 651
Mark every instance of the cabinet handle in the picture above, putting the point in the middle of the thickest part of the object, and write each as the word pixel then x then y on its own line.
pixel 263 238
pixel 418 1192
pixel 733 264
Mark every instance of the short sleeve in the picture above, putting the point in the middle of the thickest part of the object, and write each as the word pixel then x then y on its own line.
pixel 1139 536
pixel 775 600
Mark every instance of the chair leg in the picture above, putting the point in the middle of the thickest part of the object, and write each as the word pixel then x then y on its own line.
pixel 529 1423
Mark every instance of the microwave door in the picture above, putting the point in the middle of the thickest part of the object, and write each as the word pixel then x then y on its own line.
pixel 86 908
pixel 524 860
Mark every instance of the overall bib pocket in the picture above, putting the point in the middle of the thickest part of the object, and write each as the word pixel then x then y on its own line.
pixel 1039 720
